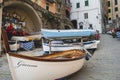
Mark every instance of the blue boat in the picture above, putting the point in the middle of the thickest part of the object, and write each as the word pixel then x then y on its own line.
pixel 51 35
pixel 71 33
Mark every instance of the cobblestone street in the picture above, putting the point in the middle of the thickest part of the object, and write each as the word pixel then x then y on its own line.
pixel 104 65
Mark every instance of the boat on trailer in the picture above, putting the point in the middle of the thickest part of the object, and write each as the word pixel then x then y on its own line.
pixel 45 67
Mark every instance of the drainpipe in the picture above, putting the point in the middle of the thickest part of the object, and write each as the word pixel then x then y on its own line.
pixel 1 1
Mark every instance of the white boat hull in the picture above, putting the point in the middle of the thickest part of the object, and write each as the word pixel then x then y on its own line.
pixel 23 69
pixel 49 67
pixel 92 45
pixel 64 47
pixel 14 47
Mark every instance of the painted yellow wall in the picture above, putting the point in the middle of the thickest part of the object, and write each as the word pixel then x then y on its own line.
pixel 113 12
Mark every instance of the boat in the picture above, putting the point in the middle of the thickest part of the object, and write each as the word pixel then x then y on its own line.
pixel 14 45
pixel 32 36
pixel 61 46
pixel 22 42
pixel 44 67
pixel 70 33
pixel 61 40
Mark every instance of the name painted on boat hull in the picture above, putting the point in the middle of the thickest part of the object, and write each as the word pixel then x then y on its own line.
pixel 23 64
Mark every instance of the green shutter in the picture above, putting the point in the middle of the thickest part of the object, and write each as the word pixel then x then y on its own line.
pixel 108 3
pixel 78 5
pixel 86 2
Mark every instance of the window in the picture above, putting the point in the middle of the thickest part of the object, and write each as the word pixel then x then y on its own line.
pixel 86 3
pixel 36 0
pixel 116 8
pixel 85 15
pixel 109 10
pixel 116 2
pixel 117 16
pixel 81 26
pixel 47 6
pixel 68 1
pixel 78 5
pixel 90 26
pixel 109 18
pixel 108 3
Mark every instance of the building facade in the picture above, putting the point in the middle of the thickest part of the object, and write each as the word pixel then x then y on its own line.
pixel 37 14
pixel 32 15
pixel 49 5
pixel 104 12
pixel 1 1
pixel 86 13
pixel 114 13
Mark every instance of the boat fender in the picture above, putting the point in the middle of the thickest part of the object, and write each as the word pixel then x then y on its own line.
pixel 87 57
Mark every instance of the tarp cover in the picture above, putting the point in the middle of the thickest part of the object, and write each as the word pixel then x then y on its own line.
pixel 51 34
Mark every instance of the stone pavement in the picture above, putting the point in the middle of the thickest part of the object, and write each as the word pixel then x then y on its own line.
pixel 4 69
pixel 104 65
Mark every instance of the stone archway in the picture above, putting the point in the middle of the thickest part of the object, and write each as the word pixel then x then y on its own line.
pixel 74 22
pixel 26 13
